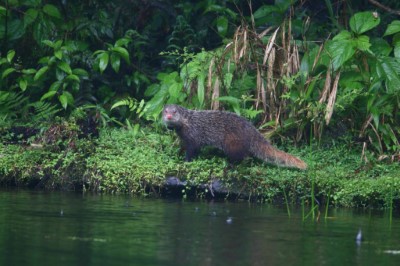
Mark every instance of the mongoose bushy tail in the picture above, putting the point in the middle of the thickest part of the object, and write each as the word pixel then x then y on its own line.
pixel 233 134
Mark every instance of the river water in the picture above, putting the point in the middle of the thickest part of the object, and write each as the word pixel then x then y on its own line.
pixel 56 228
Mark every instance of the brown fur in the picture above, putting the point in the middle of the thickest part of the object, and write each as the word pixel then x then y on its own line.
pixel 234 135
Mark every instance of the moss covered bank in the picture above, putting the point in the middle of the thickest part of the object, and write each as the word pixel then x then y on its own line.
pixel 149 162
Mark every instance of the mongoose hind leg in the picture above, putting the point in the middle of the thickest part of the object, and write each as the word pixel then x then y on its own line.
pixel 235 149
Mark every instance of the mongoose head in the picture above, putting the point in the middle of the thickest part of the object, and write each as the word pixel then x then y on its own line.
pixel 171 116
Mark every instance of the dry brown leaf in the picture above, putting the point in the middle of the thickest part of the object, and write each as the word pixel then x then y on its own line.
pixel 332 99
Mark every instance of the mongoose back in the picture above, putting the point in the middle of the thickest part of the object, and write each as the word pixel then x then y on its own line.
pixel 233 134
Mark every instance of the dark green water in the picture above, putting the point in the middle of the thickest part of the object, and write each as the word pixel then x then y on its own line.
pixel 39 228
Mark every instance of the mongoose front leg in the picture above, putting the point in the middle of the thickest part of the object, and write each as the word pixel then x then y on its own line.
pixel 191 152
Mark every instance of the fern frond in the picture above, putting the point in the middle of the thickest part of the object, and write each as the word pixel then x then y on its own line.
pixel 44 110
pixel 130 102
pixel 10 102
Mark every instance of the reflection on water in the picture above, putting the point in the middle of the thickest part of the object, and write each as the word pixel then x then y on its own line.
pixel 40 228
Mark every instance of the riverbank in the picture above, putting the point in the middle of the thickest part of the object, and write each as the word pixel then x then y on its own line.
pixel 149 163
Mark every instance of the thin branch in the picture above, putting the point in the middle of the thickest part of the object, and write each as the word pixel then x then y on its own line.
pixel 387 9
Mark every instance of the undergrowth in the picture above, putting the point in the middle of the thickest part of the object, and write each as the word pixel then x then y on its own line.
pixel 124 161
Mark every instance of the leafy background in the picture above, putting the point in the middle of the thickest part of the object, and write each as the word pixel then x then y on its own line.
pixel 314 71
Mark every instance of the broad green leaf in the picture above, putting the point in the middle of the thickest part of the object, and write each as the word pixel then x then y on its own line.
pixel 64 67
pixel 63 100
pixel 343 35
pixel 122 52
pixel 222 25
pixel 362 43
pixel 379 47
pixel 73 77
pixel 15 29
pixel 60 74
pixel 397 49
pixel 80 72
pixel 233 101
pixel 48 94
pixel 30 16
pixel 44 60
pixel 152 90
pixel 265 11
pixel 389 69
pixel 7 72
pixel 115 61
pixel 3 11
pixel 10 55
pixel 270 14
pixel 155 104
pixel 57 44
pixel 58 54
pixel 23 84
pixel 29 71
pixel 99 52
pixel 396 38
pixel 55 86
pixel 70 98
pixel 103 61
pixel 52 11
pixel 220 9
pixel 351 80
pixel 364 21
pixel 284 4
pixel 122 42
pixel 375 115
pixel 175 90
pixel 40 73
pixel 48 43
pixel 393 28
pixel 311 87
pixel 340 52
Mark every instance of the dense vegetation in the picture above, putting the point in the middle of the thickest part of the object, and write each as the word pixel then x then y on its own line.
pixel 119 162
pixel 316 73
pixel 289 65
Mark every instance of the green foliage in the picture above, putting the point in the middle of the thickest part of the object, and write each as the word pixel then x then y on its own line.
pixel 182 36
pixel 10 102
pixel 122 165
pixel 57 67
pixel 364 21
pixel 275 64
pixel 341 80
pixel 55 158
pixel 273 14
pixel 135 108
pixel 373 88
pixel 43 111
pixel 113 55
pixel 121 161
pixel 170 89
